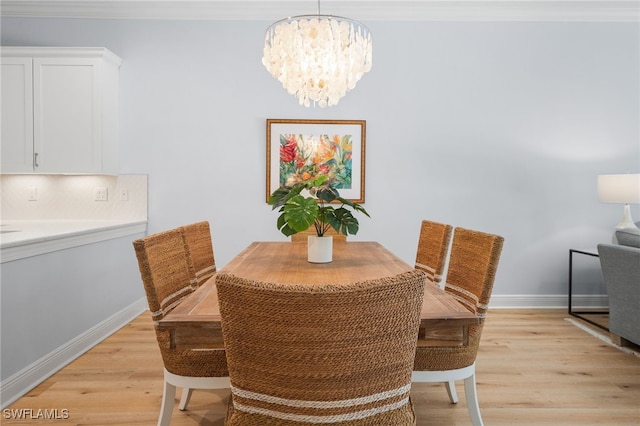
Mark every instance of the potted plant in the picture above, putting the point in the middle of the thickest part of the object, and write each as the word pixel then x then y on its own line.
pixel 298 212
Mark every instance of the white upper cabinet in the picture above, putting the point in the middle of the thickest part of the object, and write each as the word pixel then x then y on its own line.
pixel 17 114
pixel 59 110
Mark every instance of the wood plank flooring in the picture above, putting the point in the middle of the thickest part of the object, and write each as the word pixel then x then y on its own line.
pixel 533 368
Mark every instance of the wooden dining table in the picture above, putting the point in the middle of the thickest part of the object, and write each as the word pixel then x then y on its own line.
pixel 443 321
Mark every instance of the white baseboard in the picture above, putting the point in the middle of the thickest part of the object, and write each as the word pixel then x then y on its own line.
pixel 29 377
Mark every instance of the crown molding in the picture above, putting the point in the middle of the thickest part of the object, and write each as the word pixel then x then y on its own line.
pixel 364 10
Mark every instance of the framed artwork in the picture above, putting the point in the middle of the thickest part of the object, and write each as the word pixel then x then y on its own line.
pixel 299 150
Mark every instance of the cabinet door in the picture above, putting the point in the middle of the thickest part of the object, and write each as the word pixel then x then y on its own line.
pixel 17 115
pixel 67 115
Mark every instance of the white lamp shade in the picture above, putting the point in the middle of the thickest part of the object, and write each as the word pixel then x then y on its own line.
pixel 620 189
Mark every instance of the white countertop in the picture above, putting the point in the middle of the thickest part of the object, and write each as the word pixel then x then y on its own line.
pixel 19 239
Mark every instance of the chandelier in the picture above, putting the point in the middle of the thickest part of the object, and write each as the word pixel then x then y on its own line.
pixel 317 58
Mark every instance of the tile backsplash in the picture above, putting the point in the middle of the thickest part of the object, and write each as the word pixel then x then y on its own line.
pixel 73 197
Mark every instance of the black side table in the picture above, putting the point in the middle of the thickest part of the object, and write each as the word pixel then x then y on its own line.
pixel 580 314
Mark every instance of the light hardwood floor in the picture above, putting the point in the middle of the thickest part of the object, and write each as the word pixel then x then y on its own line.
pixel 533 368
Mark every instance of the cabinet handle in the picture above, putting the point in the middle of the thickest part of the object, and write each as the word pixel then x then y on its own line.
pixel 35 160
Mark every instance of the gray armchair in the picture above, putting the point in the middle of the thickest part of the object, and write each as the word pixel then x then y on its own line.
pixel 621 272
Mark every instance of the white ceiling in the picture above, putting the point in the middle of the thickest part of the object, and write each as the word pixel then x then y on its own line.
pixel 363 10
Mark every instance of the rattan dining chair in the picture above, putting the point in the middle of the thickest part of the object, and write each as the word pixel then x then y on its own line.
pixel 197 361
pixel 472 267
pixel 199 247
pixel 197 237
pixel 303 354
pixel 433 247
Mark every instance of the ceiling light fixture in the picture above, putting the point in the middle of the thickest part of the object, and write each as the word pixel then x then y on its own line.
pixel 317 58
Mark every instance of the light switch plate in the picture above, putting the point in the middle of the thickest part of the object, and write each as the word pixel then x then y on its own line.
pixel 101 194
pixel 32 193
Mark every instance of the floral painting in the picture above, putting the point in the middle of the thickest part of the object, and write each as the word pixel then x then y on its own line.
pixel 299 150
pixel 304 157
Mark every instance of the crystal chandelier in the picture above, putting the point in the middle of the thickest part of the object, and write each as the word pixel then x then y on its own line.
pixel 317 58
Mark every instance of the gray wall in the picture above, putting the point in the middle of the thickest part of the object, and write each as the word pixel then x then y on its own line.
pixel 50 300
pixel 496 126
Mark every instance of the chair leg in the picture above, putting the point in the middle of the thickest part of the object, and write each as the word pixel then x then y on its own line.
pixel 471 395
pixel 186 396
pixel 451 391
pixel 168 397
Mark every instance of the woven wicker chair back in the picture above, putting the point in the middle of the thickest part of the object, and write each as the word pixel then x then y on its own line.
pixel 433 246
pixel 165 270
pixel 301 354
pixel 197 237
pixel 472 267
pixel 302 236
pixel 166 275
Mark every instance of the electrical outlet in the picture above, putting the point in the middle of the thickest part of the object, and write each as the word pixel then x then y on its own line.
pixel 101 194
pixel 32 193
pixel 124 194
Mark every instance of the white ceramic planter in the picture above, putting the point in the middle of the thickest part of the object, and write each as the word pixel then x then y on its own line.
pixel 319 249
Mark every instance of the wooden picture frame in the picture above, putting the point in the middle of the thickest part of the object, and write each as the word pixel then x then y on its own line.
pixel 302 149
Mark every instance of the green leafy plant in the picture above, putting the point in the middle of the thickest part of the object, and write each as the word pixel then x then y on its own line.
pixel 298 213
